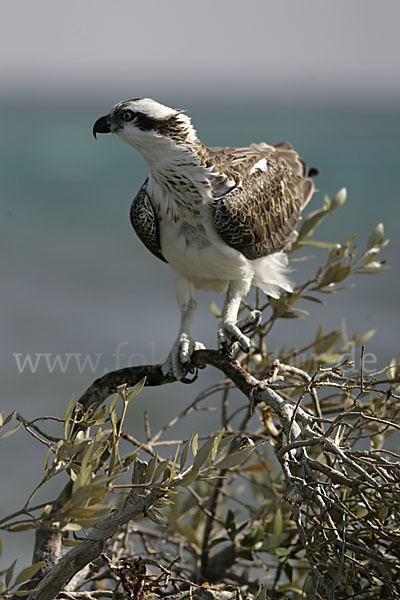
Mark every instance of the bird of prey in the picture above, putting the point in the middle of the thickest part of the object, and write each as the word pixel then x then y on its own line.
pixel 219 216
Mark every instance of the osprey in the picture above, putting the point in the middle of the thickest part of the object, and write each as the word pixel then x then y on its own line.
pixel 219 216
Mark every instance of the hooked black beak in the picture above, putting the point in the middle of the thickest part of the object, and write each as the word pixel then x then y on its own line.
pixel 102 125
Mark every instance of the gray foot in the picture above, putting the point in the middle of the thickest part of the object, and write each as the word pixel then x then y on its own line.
pixel 177 364
pixel 231 334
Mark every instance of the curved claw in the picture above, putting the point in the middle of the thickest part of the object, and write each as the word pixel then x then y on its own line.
pixel 195 373
pixel 245 349
pixel 226 349
pixel 256 316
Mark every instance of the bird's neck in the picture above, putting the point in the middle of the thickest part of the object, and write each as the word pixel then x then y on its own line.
pixel 180 169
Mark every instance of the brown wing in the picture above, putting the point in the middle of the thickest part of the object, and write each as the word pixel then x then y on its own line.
pixel 259 215
pixel 144 222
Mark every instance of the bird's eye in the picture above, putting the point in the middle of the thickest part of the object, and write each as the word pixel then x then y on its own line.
pixel 127 115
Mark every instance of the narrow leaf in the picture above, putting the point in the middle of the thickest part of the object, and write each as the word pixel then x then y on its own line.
pixel 9 417
pixel 184 455
pixel 10 432
pixel 27 573
pixel 67 415
pixel 136 389
pixel 195 444
pixel 203 453
pixel 10 572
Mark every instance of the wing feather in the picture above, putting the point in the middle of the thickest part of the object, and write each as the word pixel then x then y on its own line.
pixel 144 222
pixel 259 215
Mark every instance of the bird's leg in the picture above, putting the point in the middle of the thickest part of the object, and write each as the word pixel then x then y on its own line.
pixel 233 330
pixel 178 361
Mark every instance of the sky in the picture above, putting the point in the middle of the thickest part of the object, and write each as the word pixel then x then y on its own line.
pixel 313 47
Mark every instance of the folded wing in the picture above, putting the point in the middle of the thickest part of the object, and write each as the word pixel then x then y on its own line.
pixel 258 216
pixel 144 222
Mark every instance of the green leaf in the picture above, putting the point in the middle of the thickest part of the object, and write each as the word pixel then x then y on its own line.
pixel 189 478
pixel 230 525
pixel 287 567
pixel 92 452
pixel 151 468
pixel 157 517
pixel 71 527
pixel 312 222
pixel 234 459
pixel 329 342
pixel 326 202
pixel 67 414
pixel 185 454
pixel 217 541
pixel 113 403
pixel 391 372
pixel 261 593
pixel 94 493
pixel 64 449
pixel 317 244
pixel 203 453
pixel 214 308
pixel 71 543
pixel 274 540
pixel 10 573
pixel 113 419
pixel 9 417
pixel 27 573
pixel 383 513
pixel 361 510
pixel 10 432
pixel 22 527
pixel 376 238
pixel 252 538
pixel 339 198
pixel 160 469
pixel 245 553
pixel 96 449
pixel 46 460
pixel 136 389
pixel 173 470
pixel 313 299
pixel 81 513
pixel 195 444
pixel 226 441
pixel 365 337
pixel 278 522
pixel 129 459
pixel 334 274
pixel 215 445
pixel 98 418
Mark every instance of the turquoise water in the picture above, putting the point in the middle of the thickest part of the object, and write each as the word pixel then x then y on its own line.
pixel 76 280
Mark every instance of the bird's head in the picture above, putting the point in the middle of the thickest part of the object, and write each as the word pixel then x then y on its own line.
pixel 145 123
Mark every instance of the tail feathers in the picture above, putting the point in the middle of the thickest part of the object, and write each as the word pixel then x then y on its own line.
pixel 299 168
pixel 308 188
pixel 271 274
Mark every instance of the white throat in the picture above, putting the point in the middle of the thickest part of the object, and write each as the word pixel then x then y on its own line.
pixel 175 167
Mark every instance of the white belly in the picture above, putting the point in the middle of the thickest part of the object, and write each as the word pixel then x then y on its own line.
pixel 201 256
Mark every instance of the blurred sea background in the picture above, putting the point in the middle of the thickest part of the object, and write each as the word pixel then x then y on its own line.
pixel 75 280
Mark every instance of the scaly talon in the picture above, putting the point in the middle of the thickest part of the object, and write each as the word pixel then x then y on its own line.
pixel 178 361
pixel 195 373
pixel 234 333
